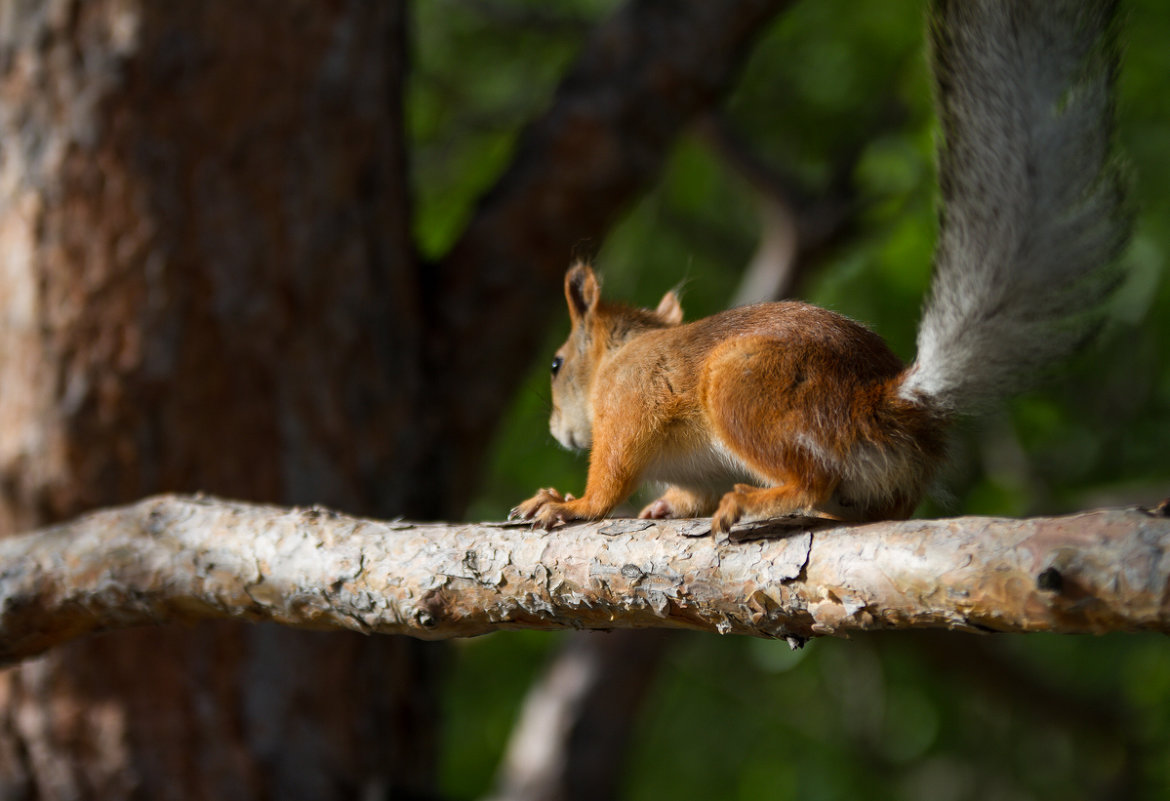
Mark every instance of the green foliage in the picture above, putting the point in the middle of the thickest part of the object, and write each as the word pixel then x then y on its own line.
pixel 479 70
pixel 482 701
pixel 876 717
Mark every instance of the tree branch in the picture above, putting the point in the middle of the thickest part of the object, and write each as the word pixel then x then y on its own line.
pixel 176 558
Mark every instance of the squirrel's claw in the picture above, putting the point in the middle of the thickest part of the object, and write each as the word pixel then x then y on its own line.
pixel 545 509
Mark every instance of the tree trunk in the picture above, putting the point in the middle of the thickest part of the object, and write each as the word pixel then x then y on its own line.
pixel 207 284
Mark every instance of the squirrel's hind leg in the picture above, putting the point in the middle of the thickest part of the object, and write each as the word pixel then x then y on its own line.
pixel 746 502
pixel 678 502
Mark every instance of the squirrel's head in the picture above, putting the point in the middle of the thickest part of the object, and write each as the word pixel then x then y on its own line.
pixel 598 330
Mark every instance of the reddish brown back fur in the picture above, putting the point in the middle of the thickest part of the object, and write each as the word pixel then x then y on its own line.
pixel 803 394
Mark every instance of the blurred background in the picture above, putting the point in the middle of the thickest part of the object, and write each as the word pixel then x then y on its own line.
pixel 300 252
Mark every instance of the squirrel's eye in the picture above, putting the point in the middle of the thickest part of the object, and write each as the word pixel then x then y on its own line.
pixel 556 364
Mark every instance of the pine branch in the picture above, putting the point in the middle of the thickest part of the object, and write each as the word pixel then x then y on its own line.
pixel 176 558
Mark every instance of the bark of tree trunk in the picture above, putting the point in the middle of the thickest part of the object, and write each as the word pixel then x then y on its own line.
pixel 207 283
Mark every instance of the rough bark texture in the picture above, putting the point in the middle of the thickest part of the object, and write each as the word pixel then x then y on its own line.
pixel 206 283
pixel 199 234
pixel 174 558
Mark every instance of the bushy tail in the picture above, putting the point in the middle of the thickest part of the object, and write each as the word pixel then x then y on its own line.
pixel 1033 211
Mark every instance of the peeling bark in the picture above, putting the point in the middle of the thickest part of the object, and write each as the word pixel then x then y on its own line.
pixel 174 558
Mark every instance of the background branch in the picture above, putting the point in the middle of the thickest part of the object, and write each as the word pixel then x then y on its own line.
pixel 572 737
pixel 797 224
pixel 175 558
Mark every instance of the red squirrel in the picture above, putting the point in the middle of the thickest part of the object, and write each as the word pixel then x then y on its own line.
pixel 776 408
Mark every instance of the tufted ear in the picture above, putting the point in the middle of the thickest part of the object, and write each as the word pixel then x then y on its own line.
pixel 582 291
pixel 669 309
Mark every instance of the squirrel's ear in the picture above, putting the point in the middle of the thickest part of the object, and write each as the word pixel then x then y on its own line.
pixel 669 309
pixel 581 290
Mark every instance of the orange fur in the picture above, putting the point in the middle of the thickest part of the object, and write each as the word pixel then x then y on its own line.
pixel 751 413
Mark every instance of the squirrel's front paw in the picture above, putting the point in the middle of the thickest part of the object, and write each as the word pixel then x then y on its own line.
pixel 545 509
pixel 552 515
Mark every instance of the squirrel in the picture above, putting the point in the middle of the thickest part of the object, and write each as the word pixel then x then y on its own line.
pixel 776 408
